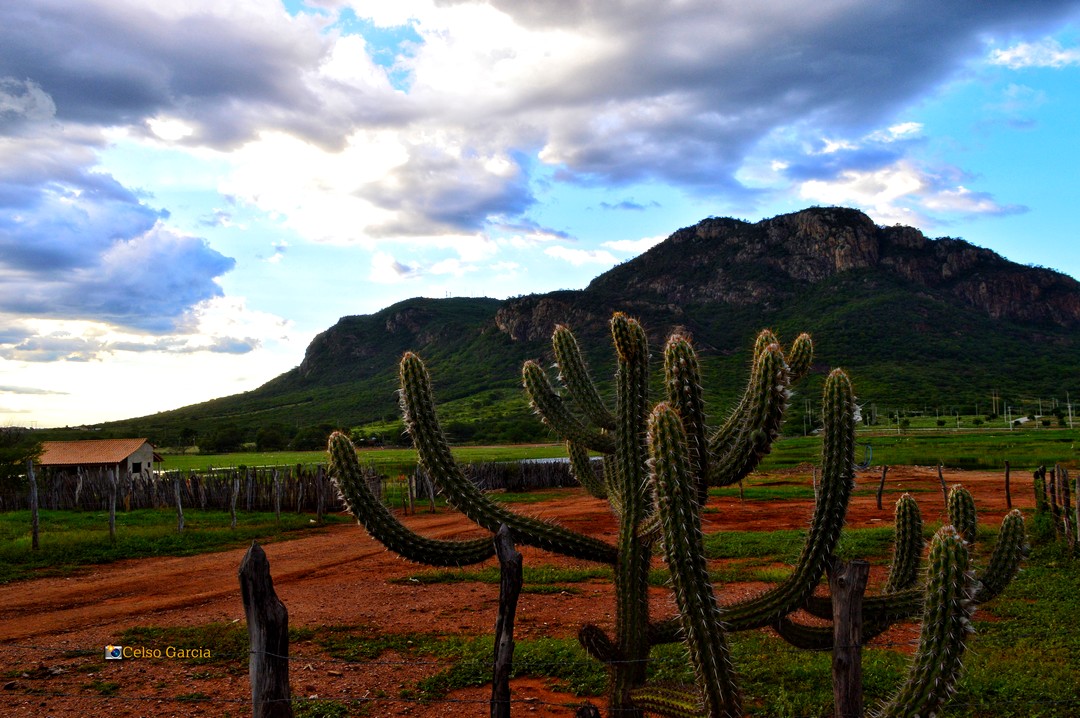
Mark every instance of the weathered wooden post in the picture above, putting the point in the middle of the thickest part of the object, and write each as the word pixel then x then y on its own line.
pixel 1008 492
pixel 320 491
pixel 510 579
pixel 277 495
pixel 944 491
pixel 33 505
pixel 881 484
pixel 233 497
pixel 268 632
pixel 179 508
pixel 847 582
pixel 1066 506
pixel 1055 510
pixel 410 488
pixel 78 485
pixel 114 481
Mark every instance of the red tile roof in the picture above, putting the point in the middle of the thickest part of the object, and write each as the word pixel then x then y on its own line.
pixel 98 451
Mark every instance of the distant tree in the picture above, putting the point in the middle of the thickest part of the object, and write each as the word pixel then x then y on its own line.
pixel 311 438
pixel 271 438
pixel 17 446
pixel 941 422
pixel 222 440
pixel 187 438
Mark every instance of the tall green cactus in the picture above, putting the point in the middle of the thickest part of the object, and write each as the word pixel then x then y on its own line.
pixel 945 626
pixel 658 466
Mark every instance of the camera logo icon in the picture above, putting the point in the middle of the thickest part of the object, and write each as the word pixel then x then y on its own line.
pixel 114 653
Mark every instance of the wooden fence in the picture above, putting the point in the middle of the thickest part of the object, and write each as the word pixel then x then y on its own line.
pixel 298 488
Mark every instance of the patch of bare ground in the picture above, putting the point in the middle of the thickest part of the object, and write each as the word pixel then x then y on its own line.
pixel 53 630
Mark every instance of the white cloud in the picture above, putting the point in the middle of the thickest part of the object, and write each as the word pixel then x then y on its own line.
pixel 903 193
pixel 579 257
pixel 634 246
pixel 1045 53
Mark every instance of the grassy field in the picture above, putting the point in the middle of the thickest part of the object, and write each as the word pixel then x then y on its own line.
pixel 72 539
pixel 376 457
pixel 967 449
pixel 983 449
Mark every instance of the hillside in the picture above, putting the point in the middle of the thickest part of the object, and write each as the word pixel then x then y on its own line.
pixel 917 321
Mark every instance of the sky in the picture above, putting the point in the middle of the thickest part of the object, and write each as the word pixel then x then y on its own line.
pixel 190 192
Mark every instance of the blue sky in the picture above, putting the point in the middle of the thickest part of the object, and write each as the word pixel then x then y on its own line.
pixel 189 194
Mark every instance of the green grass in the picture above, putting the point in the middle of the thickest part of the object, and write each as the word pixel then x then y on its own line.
pixel 381 459
pixel 70 540
pixel 987 449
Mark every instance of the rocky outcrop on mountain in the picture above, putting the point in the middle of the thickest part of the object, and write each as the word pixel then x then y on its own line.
pixel 738 263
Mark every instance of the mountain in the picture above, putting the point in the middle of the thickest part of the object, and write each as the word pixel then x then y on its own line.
pixel 916 321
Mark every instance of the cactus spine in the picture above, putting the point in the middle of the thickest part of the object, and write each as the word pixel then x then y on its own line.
pixel 907 546
pixel 945 626
pixel 961 506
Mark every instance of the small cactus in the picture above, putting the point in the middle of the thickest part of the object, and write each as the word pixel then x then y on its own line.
pixel 946 624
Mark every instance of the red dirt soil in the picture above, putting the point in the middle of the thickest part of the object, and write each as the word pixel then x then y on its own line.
pixel 340 576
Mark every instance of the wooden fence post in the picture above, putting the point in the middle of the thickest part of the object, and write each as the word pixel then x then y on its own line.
pixel 881 484
pixel 944 491
pixel 277 495
pixel 232 499
pixel 268 632
pixel 179 508
pixel 114 481
pixel 320 490
pixel 33 505
pixel 510 579
pixel 1008 492
pixel 78 486
pixel 847 582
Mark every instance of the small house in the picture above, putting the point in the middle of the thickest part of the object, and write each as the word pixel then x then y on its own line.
pixel 121 455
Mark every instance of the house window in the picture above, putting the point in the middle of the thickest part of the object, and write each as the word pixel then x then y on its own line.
pixel 136 467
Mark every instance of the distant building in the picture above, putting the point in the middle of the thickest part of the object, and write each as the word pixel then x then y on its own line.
pixel 121 455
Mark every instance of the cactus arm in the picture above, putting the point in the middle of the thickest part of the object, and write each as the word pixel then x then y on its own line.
pixel 907 547
pixel 630 486
pixel 820 638
pixel 945 625
pixel 348 476
pixel 667 702
pixel 723 437
pixel 576 377
pixel 680 514
pixel 837 481
pixel 800 357
pixel 1009 551
pixel 682 379
pixel 741 448
pixel 423 425
pixel 581 468
pixel 962 512
pixel 597 644
pixel 554 412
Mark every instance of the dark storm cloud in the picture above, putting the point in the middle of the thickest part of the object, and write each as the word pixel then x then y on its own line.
pixel 229 73
pixel 691 88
